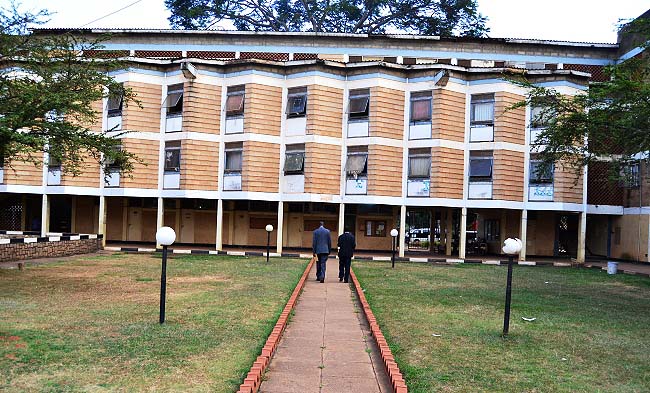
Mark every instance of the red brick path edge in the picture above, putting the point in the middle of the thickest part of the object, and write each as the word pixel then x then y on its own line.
pixel 396 379
pixel 253 379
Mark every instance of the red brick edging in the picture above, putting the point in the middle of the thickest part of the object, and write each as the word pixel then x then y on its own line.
pixel 396 379
pixel 253 379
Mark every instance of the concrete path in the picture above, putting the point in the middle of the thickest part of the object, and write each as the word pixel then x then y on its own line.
pixel 323 349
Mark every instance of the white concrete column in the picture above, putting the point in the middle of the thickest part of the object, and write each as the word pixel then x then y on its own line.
pixel 219 240
pixel 45 215
pixel 523 229
pixel 160 217
pixel 463 234
pixel 449 223
pixel 342 218
pixel 280 229
pixel 101 228
pixel 402 231
pixel 582 232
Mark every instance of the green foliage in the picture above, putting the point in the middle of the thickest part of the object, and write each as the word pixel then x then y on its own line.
pixel 429 17
pixel 609 121
pixel 47 88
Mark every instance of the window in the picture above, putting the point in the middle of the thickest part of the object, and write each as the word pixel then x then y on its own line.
pixel 114 105
pixel 173 157
pixel 174 100
pixel 491 230
pixel 539 117
pixel 420 163
pixel 421 107
pixel 234 155
pixel 294 160
pixel 357 162
pixel 482 110
pixel 53 162
pixel 111 164
pixel 359 104
pixel 235 101
pixel 375 228
pixel 631 176
pixel 480 166
pixel 540 173
pixel 297 102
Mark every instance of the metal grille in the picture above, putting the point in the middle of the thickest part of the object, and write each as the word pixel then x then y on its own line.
pixel 596 71
pixel 601 189
pixel 105 54
pixel 265 56
pixel 305 56
pixel 11 214
pixel 159 54
pixel 205 54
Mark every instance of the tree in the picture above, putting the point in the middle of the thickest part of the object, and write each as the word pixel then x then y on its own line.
pixel 428 17
pixel 609 122
pixel 47 88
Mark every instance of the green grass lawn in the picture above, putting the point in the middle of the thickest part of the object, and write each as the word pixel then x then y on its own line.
pixel 92 324
pixel 592 331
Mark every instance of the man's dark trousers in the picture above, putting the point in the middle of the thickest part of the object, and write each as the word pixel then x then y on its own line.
pixel 344 267
pixel 321 264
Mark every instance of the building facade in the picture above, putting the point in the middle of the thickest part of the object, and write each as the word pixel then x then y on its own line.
pixel 239 130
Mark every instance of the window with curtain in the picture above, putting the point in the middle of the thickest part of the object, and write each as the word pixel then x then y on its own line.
pixel 419 164
pixel 233 161
pixel 356 164
pixel 173 157
pixel 174 100
pixel 421 107
pixel 235 101
pixel 482 109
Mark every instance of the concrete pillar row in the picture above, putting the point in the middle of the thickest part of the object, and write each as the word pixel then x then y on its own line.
pixel 160 218
pixel 523 230
pixel 102 219
pixel 219 236
pixel 45 215
pixel 582 235
pixel 402 231
pixel 463 234
pixel 280 228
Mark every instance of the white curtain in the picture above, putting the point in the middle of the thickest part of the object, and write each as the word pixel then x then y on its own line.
pixel 483 111
pixel 419 166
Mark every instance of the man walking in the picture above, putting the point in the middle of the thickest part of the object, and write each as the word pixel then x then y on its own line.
pixel 346 244
pixel 321 245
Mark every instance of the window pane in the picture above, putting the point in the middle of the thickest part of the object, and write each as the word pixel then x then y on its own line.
pixel 233 160
pixel 540 174
pixel 172 160
pixel 419 166
pixel 173 99
pixel 358 105
pixel 421 110
pixel 294 162
pixel 539 117
pixel 356 163
pixel 296 105
pixel 114 103
pixel 480 167
pixel 482 112
pixel 235 104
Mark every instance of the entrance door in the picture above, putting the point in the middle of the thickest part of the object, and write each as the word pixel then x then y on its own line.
pixel 294 230
pixel 134 232
pixel 187 226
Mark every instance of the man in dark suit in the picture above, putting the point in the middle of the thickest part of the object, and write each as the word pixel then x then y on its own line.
pixel 321 245
pixel 346 245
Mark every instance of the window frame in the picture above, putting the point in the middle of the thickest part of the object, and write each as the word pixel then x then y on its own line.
pixel 114 112
pixel 419 155
pixel 481 99
pixel 374 231
pixel 361 94
pixel 297 153
pixel 172 148
pixel 293 94
pixel 421 96
pixel 239 150
pixel 175 110
pixel 364 172
pixel 235 91
pixel 532 179
pixel 481 179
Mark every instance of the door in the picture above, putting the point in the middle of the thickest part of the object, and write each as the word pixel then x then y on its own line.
pixel 134 231
pixel 187 226
pixel 294 230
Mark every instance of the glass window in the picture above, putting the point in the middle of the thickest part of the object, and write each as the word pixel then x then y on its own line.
pixel 172 158
pixel 297 102
pixel 419 165
pixel 482 109
pixel 540 173
pixel 114 104
pixel 421 107
pixel 235 101
pixel 358 104
pixel 480 168
pixel 233 160
pixel 174 100
pixel 375 228
pixel 294 163
pixel 492 230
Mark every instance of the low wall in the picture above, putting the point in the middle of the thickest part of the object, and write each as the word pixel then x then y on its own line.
pixel 17 249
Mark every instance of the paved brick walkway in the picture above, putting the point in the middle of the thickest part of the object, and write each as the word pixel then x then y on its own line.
pixel 324 348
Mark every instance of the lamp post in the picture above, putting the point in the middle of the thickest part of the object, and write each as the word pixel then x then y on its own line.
pixel 165 236
pixel 394 233
pixel 511 247
pixel 269 229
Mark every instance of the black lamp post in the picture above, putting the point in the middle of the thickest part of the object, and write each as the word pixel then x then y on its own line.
pixel 393 234
pixel 269 229
pixel 511 247
pixel 165 236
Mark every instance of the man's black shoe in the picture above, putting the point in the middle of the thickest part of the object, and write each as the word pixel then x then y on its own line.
pixel 322 280
pixel 346 281
pixel 340 279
